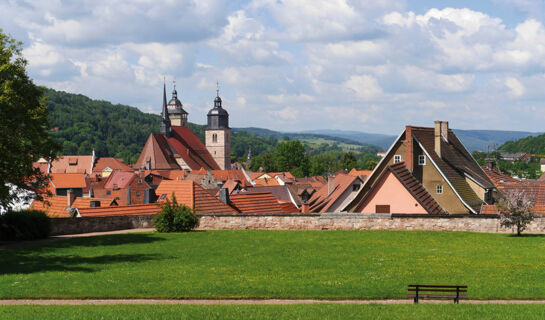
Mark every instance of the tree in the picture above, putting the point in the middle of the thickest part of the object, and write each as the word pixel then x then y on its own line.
pixel 515 208
pixel 289 155
pixel 348 161
pixel 24 129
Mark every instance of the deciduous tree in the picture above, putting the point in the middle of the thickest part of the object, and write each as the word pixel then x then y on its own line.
pixel 24 130
pixel 515 208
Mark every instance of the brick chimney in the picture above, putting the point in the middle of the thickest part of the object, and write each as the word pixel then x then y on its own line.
pixel 409 147
pixel 440 131
pixel 305 208
pixel 330 184
pixel 70 196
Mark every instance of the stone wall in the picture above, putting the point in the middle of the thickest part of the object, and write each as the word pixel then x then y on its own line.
pixel 327 221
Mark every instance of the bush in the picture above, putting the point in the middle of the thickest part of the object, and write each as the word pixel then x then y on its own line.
pixel 174 217
pixel 24 225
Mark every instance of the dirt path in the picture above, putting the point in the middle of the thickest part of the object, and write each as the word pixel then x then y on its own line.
pixel 246 301
pixel 16 244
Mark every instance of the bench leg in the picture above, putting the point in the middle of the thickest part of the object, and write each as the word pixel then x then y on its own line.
pixel 416 300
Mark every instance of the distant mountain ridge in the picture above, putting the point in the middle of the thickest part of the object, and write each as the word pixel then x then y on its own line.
pixel 472 139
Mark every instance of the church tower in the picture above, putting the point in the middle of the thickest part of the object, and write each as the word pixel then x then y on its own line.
pixel 176 112
pixel 218 134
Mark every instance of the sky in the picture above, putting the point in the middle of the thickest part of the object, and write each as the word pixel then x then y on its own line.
pixel 293 65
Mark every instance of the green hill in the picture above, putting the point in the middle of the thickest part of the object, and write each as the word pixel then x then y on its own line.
pixel 532 144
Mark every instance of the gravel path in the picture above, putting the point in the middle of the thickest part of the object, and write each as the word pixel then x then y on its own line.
pixel 246 301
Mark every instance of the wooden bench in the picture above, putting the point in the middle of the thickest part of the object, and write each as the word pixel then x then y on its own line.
pixel 420 291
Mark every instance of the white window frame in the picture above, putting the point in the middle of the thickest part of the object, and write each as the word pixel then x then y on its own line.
pixel 439 189
pixel 422 160
pixel 397 158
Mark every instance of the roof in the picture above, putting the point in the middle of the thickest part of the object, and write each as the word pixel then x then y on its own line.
pixel 191 149
pixel 120 179
pixel 68 180
pixel 322 200
pixel 455 163
pixel 415 188
pixel 158 152
pixel 288 207
pixel 258 202
pixel 54 206
pixel 135 209
pixel 356 173
pixel 497 177
pixel 231 185
pixel 224 175
pixel 72 164
pixel 112 163
pixel 281 193
pixel 192 195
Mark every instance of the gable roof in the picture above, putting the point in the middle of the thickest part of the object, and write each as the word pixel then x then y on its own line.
pixel 455 164
pixel 288 207
pixel 497 177
pixel 119 179
pixel 158 152
pixel 72 164
pixel 258 202
pixel 112 163
pixel 322 200
pixel 281 193
pixel 192 195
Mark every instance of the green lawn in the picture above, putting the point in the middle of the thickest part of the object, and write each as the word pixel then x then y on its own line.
pixel 276 312
pixel 275 264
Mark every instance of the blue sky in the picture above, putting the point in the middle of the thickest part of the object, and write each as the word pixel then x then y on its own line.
pixel 371 66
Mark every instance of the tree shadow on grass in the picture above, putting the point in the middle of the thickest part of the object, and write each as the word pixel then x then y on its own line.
pixel 23 262
pixel 527 235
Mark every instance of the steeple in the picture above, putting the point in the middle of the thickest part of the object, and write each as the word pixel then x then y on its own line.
pixel 177 114
pixel 165 120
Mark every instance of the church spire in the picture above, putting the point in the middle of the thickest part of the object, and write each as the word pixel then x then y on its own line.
pixel 165 120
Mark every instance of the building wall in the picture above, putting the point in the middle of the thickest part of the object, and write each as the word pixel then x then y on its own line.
pixel 391 192
pixel 480 191
pixel 346 197
pixel 220 150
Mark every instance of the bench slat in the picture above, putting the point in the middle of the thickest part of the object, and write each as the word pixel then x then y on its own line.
pixel 434 286
pixel 437 290
pixel 462 296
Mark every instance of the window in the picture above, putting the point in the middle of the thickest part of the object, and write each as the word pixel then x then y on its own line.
pixel 439 189
pixel 382 208
pixel 421 159
pixel 138 193
pixel 397 158
pixel 139 180
pixel 355 187
pixel 108 192
pixel 214 138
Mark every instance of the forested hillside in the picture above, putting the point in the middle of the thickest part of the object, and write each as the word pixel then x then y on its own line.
pixel 535 145
pixel 81 124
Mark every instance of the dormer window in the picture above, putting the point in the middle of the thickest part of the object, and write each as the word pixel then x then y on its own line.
pixel 397 158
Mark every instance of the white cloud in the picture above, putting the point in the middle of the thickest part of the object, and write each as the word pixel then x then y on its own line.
pixel 517 89
pixel 366 87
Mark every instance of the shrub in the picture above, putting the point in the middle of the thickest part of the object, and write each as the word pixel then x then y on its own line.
pixel 175 217
pixel 24 225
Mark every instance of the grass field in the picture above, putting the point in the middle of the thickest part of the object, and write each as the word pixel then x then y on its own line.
pixel 276 312
pixel 275 264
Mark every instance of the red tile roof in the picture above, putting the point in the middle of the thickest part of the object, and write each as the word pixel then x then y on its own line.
pixel 72 164
pixel 357 173
pixel 112 163
pixel 135 209
pixel 497 177
pixel 54 206
pixel 321 200
pixel 193 195
pixel 120 179
pixel 263 202
pixel 68 180
pixel 288 207
pixel 224 175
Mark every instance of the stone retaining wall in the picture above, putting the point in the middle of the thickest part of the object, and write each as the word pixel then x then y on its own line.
pixel 326 221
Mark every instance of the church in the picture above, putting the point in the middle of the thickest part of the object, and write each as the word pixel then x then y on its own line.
pixel 176 147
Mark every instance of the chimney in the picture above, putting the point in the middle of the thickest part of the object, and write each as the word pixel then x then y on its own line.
pixel 409 148
pixel 330 184
pixel 440 131
pixel 70 196
pixel 490 163
pixel 128 195
pixel 305 208
pixel 224 195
